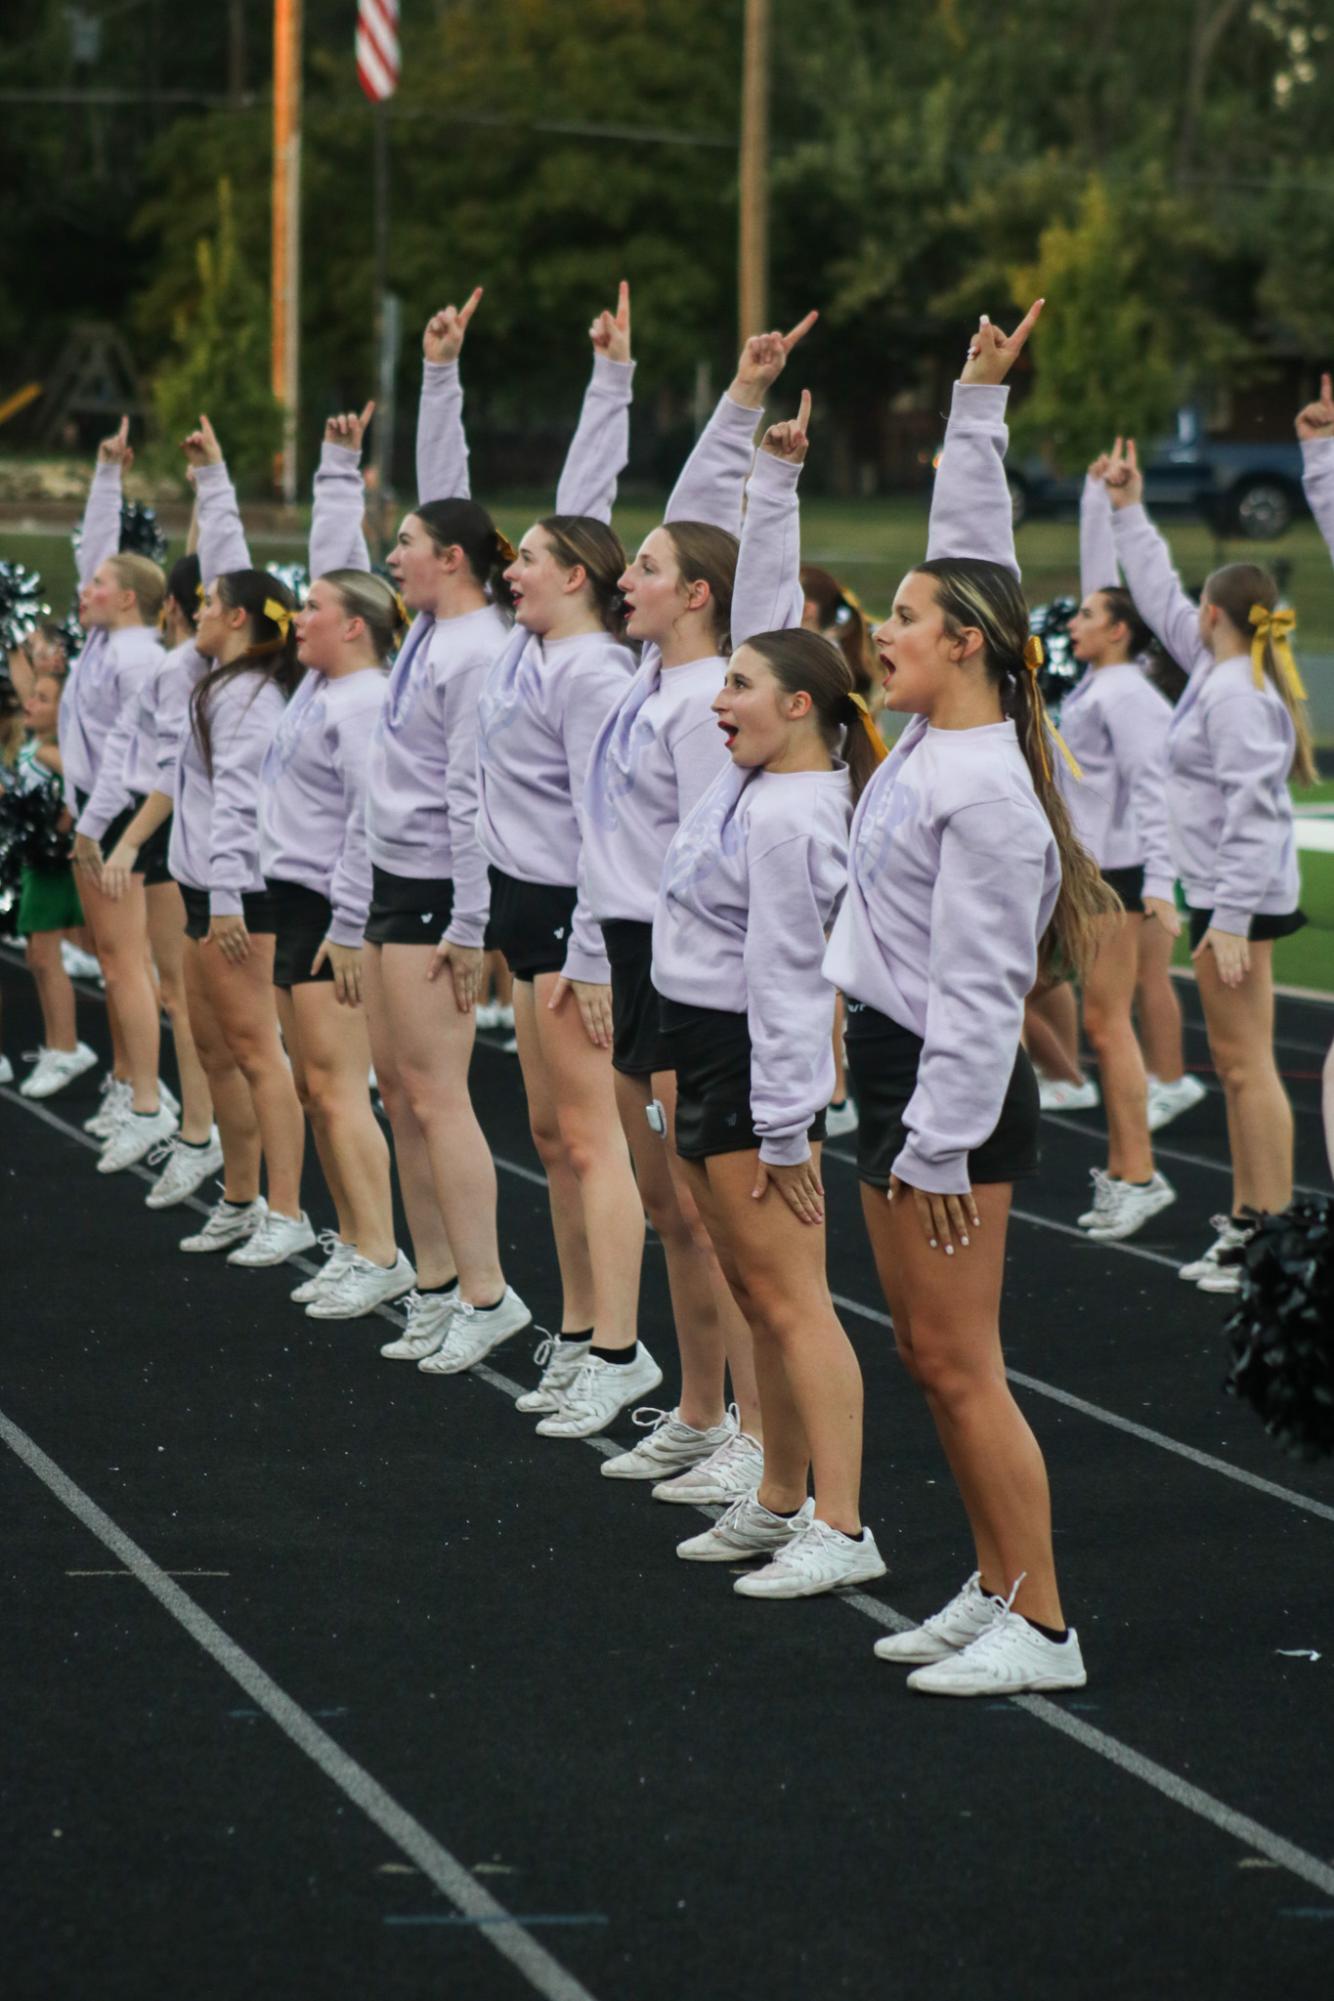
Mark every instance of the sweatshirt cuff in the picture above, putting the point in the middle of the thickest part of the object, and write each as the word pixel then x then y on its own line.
pixel 1161 886
pixel 780 475
pixel 439 374
pixel 740 417
pixel 92 822
pixel 1317 455
pixel 348 932
pixel 1236 922
pixel 981 403
pixel 108 475
pixel 618 376
pixel 945 1174
pixel 225 903
pixel 470 932
pixel 785 1149
pixel 1126 518
pixel 212 478
pixel 591 967
pixel 342 459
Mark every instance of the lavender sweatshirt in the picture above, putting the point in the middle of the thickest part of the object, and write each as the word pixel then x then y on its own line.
pixel 312 798
pixel 544 702
pixel 660 748
pixel 750 886
pixel 1230 747
pixel 1318 481
pixel 953 871
pixel 129 660
pixel 1115 723
pixel 1098 568
pixel 100 538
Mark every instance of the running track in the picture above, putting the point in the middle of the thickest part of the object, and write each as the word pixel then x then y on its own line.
pixel 323 1677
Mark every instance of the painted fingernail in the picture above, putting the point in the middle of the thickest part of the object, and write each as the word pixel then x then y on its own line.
pixel 964 1242
pixel 934 1245
pixel 949 1250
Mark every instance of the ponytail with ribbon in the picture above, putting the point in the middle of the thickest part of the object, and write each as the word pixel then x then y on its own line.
pixel 279 615
pixel 859 717
pixel 1035 655
pixel 1273 630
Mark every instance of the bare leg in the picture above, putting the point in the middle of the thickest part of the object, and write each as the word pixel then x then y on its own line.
pixel 243 1002
pixel 166 934
pixel 1240 1021
pixel 121 930
pixel 1108 991
pixel 233 1107
pixel 1158 1006
pixel 578 1311
pixel 1051 1032
pixel 328 1159
pixel 840 1064
pixel 55 989
pixel 335 1060
pixel 431 1250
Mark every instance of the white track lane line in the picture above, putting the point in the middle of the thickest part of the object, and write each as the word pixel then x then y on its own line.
pixel 494 1923
pixel 1193 1799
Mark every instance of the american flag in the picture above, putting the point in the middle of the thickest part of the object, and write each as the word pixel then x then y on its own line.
pixel 377 47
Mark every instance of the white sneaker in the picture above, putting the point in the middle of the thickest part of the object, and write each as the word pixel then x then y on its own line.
pixel 819 1559
pixel 360 1287
pixel 474 1332
pixel 166 1096
pixel 135 1136
pixel 54 1069
pixel 1230 1238
pixel 429 1315
pixel 337 1257
pixel 487 1015
pixel 1008 1657
pixel 598 1393
pixel 1102 1186
pixel 505 1017
pixel 746 1530
pixel 1168 1101
pixel 1054 1095
pixel 731 1471
pixel 277 1239
pixel 670 1446
pixel 510 1046
pixel 116 1093
pixel 230 1223
pixel 1226 1274
pixel 6 1071
pixel 80 965
pixel 186 1168
pixel 559 1362
pixel 1129 1207
pixel 841 1120
pixel 947 1632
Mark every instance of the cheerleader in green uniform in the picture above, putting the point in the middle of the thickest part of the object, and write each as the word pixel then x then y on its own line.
pixel 49 902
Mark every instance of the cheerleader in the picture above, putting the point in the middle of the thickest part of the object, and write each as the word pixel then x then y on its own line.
pixel 964 879
pixel 542 706
pixel 312 851
pixel 428 902
pixel 1236 737
pixel 49 902
pixel 247 645
pixel 655 755
pixel 749 888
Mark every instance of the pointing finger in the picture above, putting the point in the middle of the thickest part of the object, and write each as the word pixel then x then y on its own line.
pixel 367 413
pixel 799 332
pixel 1326 389
pixel 1026 324
pixel 466 312
pixel 804 412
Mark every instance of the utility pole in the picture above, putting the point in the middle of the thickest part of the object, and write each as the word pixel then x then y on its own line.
pixel 285 359
pixel 753 247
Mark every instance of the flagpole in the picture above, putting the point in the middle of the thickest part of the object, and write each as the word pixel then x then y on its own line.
pixel 285 350
pixel 384 426
pixel 753 245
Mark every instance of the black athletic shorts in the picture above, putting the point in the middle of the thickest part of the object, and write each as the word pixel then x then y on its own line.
pixel 882 1076
pixel 1129 886
pixel 256 906
pixel 530 924
pixel 637 1047
pixel 408 909
pixel 1260 929
pixel 302 918
pixel 709 1049
pixel 151 863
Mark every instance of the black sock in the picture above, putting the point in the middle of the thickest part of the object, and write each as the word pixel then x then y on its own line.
pixel 1053 1633
pixel 783 1514
pixel 197 1145
pixel 622 1357
pixel 148 1115
pixel 837 1104
pixel 479 1308
pixel 848 1537
pixel 1142 1184
pixel 438 1291
pixel 575 1334
pixel 228 1203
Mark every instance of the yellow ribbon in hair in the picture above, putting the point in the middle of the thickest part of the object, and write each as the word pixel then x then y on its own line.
pixel 278 615
pixel 867 721
pixel 505 549
pixel 1274 628
pixel 199 592
pixel 401 609
pixel 1034 657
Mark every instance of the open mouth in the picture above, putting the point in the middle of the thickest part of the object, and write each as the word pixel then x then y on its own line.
pixel 729 731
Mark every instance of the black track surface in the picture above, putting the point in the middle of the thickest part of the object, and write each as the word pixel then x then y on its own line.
pixel 731 1799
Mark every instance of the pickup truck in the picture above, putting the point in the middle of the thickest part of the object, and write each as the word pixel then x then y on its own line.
pixel 1251 490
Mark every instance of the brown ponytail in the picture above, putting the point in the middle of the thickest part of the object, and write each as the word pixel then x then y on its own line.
pixel 580 541
pixel 807 662
pixel 708 555
pixel 269 606
pixel 466 525
pixel 987 597
pixel 1236 590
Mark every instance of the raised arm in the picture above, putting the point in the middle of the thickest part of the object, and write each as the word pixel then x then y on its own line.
pixel 713 480
pixel 337 517
pixel 442 443
pixel 971 510
pixel 1146 562
pixel 1315 428
pixel 222 539
pixel 767 594
pixel 601 442
pixel 99 536
pixel 1098 569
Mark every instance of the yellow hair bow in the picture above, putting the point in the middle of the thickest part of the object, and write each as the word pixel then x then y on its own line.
pixel 867 721
pixel 1035 656
pixel 279 615
pixel 1273 628
pixel 401 609
pixel 505 549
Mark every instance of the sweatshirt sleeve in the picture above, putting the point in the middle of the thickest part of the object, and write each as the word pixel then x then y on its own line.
pixel 971 510
pixel 173 716
pixel 337 533
pixel 712 485
pixel 767 594
pixel 1098 567
pixel 222 542
pixel 111 794
pixel 1318 482
pixel 99 536
pixel 241 726
pixel 1146 564
pixel 442 442
pixel 1139 745
pixel 1252 754
pixel 983 961
pixel 589 698
pixel 460 704
pixel 789 1003
pixel 350 888
pixel 601 443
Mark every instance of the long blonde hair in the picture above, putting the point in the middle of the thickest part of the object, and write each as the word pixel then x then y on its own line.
pixel 1236 590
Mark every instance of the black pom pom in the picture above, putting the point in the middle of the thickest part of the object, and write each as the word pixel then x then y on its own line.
pixel 1282 1332
pixel 22 606
pixel 139 532
pixel 1060 671
pixel 296 577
